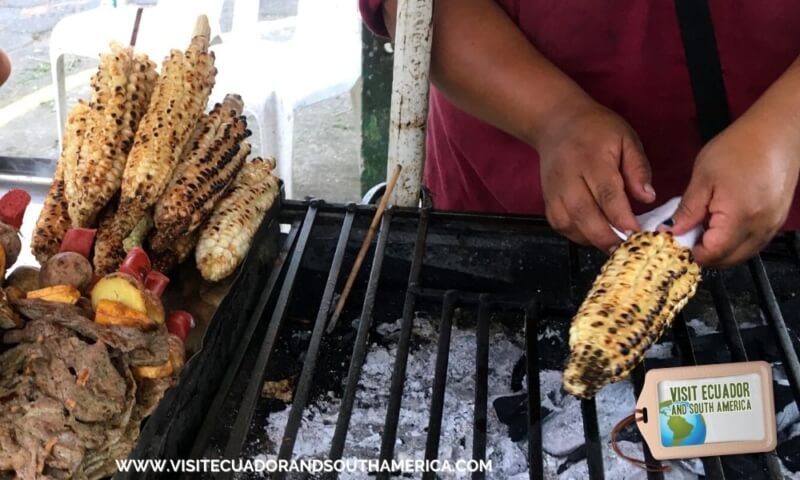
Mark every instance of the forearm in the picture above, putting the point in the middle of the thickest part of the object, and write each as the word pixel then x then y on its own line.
pixel 484 64
pixel 775 117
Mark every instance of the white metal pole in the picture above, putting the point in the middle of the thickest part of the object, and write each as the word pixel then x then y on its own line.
pixel 409 110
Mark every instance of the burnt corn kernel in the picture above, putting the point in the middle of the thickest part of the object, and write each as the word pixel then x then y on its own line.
pixel 640 289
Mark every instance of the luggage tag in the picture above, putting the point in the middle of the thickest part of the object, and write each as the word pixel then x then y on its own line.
pixel 705 410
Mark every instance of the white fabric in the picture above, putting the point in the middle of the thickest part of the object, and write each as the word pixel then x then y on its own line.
pixel 650 221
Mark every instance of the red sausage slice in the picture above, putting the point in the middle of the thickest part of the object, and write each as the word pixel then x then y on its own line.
pixel 156 282
pixel 12 207
pixel 78 240
pixel 179 323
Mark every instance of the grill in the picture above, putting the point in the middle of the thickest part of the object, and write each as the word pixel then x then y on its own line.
pixel 470 273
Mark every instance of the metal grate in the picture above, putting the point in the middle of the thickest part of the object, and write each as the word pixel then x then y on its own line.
pixel 268 319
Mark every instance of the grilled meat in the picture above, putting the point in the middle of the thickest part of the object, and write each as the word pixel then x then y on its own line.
pixel 640 289
pixel 71 403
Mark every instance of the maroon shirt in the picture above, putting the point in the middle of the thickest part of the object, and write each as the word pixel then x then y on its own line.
pixel 628 55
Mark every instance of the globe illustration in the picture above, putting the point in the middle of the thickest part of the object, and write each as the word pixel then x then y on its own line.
pixel 680 430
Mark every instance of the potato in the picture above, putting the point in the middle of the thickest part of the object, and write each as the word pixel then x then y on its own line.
pixel 56 293
pixel 66 268
pixel 9 240
pixel 155 309
pixel 159 371
pixel 24 278
pixel 125 289
pixel 120 287
pixel 110 312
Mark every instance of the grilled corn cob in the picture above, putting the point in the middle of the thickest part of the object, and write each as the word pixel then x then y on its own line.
pixel 54 220
pixel 178 102
pixel 165 260
pixel 225 238
pixel 206 171
pixel 121 90
pixel 640 289
pixel 108 253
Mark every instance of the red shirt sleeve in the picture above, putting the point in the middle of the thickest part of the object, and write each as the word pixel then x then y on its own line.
pixel 372 13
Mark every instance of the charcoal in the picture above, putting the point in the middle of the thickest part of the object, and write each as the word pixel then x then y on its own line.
pixel 518 373
pixel 789 452
pixel 513 412
pixel 572 458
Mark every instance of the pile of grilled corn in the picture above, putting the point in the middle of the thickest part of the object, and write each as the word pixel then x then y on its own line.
pixel 640 289
pixel 145 164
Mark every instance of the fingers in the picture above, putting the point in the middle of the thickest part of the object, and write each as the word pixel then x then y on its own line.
pixel 729 254
pixel 727 243
pixel 693 208
pixel 636 171
pixel 718 243
pixel 608 190
pixel 576 215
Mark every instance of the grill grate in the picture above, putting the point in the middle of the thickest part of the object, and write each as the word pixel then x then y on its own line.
pixel 282 282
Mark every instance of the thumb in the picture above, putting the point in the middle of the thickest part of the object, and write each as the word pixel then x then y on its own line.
pixel 693 207
pixel 636 171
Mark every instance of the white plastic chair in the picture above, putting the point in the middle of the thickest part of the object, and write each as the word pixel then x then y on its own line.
pixel 168 24
pixel 321 60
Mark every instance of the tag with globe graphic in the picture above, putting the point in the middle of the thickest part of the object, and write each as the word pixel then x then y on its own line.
pixel 707 410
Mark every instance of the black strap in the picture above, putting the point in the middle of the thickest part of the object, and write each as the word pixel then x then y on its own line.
pixel 702 58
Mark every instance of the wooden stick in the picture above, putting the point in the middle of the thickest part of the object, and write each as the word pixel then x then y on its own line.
pixel 362 253
pixel 136 26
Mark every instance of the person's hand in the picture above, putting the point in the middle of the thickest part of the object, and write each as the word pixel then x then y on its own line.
pixel 589 158
pixel 742 186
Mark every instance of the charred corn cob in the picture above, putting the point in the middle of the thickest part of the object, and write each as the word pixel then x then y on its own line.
pixel 204 174
pixel 225 238
pixel 54 219
pixel 108 253
pixel 640 289
pixel 178 101
pixel 121 90
pixel 165 260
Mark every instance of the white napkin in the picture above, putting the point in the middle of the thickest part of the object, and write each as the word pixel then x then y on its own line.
pixel 656 217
